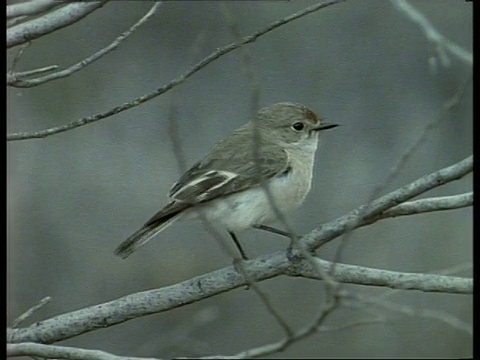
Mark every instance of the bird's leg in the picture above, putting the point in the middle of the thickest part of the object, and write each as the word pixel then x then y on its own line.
pixel 272 230
pixel 237 244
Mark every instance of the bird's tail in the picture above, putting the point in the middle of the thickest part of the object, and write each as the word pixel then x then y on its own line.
pixel 144 234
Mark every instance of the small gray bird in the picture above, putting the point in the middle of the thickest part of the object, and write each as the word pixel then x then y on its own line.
pixel 275 149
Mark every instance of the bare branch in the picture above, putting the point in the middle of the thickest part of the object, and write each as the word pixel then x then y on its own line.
pixel 14 79
pixel 62 352
pixel 176 139
pixel 278 346
pixel 32 7
pixel 246 59
pixel 264 267
pixel 429 205
pixel 18 56
pixel 468 266
pixel 148 302
pixel 299 335
pixel 442 316
pixel 180 79
pixel 265 300
pixel 361 275
pixel 441 42
pixel 179 156
pixel 422 137
pixel 371 212
pixel 249 281
pixel 30 312
pixel 331 286
pixel 144 303
pixel 50 22
pixel 15 21
pixel 314 327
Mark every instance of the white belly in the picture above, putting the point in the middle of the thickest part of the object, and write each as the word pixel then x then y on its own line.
pixel 242 210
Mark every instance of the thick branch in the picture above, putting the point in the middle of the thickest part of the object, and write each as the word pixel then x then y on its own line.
pixel 148 302
pixel 62 352
pixel 154 301
pixel 50 22
pixel 31 7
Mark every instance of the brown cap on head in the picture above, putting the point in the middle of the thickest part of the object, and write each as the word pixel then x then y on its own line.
pixel 311 116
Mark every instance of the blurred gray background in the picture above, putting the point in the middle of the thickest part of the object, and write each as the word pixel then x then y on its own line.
pixel 73 197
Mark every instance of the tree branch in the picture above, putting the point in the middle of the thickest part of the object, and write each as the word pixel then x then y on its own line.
pixel 372 212
pixel 264 267
pixel 148 302
pixel 50 22
pixel 430 125
pixel 15 79
pixel 298 335
pixel 62 352
pixel 144 303
pixel 180 79
pixel 433 35
pixel 429 205
pixel 360 275
pixel 427 313
pixel 30 312
pixel 31 7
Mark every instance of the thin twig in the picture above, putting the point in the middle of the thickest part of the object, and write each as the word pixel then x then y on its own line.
pixel 415 312
pixel 179 155
pixel 369 213
pixel 440 203
pixel 276 347
pixel 431 124
pixel 458 95
pixel 441 42
pixel 246 59
pixel 30 312
pixel 175 138
pixel 18 56
pixel 16 79
pixel 178 80
pixel 454 269
pixel 289 333
pixel 250 281
pixel 402 161
pixel 361 275
pixel 297 336
pixel 254 101
pixel 13 78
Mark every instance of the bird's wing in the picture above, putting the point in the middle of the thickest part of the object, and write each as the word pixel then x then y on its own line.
pixel 223 175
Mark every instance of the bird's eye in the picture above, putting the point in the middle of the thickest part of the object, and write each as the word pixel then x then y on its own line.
pixel 298 126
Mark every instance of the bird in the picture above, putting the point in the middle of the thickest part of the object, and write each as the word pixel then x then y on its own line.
pixel 275 150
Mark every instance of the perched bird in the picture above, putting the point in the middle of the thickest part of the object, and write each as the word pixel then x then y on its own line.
pixel 276 149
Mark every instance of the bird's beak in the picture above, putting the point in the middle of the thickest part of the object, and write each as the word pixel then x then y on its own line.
pixel 325 126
